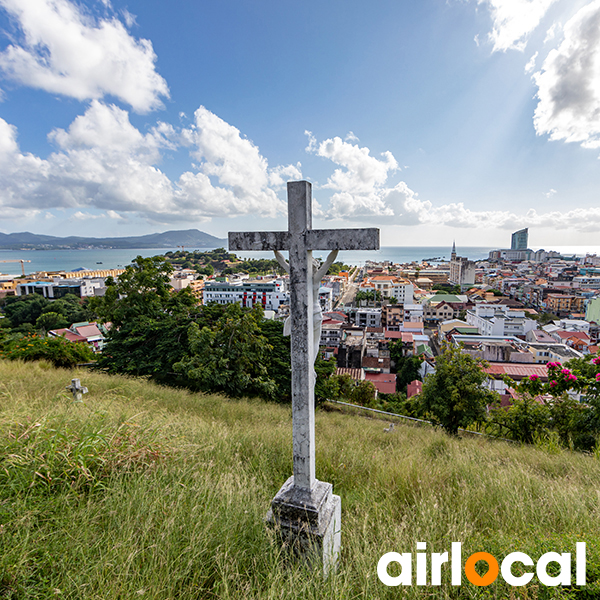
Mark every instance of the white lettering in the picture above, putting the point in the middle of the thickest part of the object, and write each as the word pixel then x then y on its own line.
pixel 404 560
pixel 508 562
pixel 580 563
pixel 456 561
pixel 564 560
pixel 437 560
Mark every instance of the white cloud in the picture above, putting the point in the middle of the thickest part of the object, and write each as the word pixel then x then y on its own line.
pixel 514 20
pixel 236 163
pixel 361 194
pixel 65 51
pixel 551 33
pixel 550 193
pixel 530 66
pixel 103 162
pixel 569 83
pixel 359 185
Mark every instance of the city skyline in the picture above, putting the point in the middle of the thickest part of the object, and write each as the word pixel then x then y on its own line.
pixel 436 121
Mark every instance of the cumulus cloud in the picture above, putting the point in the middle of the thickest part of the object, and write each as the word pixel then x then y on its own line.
pixel 103 162
pixel 65 51
pixel 514 20
pixel 362 193
pixel 235 163
pixel 569 83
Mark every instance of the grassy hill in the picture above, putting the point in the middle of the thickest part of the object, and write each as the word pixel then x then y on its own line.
pixel 148 492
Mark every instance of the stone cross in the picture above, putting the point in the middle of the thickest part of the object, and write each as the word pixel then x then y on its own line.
pixel 77 390
pixel 303 497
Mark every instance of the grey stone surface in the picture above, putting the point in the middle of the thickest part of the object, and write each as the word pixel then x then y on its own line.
pixel 308 523
pixel 305 507
pixel 77 390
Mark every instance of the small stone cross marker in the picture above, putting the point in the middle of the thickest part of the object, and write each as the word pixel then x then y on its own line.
pixel 304 505
pixel 77 390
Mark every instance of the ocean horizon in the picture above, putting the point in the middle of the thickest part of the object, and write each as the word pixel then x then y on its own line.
pixel 112 258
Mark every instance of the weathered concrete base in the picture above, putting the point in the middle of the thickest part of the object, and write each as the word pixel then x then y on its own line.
pixel 308 523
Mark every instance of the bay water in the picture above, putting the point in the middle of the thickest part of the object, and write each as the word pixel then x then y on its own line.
pixel 112 258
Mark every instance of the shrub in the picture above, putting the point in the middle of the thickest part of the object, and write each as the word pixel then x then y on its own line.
pixel 58 351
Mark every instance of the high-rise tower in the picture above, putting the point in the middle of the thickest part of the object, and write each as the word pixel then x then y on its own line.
pixel 520 240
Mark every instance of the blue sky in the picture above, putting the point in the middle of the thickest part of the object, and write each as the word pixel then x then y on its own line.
pixel 433 120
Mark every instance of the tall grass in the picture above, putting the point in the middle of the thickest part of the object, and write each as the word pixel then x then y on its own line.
pixel 146 492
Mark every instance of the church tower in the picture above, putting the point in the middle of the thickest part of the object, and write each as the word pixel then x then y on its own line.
pixel 453 255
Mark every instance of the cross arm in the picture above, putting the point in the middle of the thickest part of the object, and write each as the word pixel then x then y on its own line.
pixel 343 239
pixel 259 240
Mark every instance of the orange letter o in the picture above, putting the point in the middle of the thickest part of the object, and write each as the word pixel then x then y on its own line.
pixel 472 574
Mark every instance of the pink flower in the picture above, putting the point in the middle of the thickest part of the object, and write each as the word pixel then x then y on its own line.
pixel 566 372
pixel 572 377
pixel 533 377
pixel 597 376
pixel 553 383
pixel 596 360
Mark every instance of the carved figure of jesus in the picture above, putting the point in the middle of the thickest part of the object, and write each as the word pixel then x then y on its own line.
pixel 318 274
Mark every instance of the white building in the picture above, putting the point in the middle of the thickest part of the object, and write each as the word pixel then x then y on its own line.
pixel 368 317
pixel 61 287
pixel 270 294
pixel 491 319
pixel 326 299
pixel 587 281
pixel 413 312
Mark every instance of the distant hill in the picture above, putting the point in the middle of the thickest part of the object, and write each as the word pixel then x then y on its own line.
pixel 189 238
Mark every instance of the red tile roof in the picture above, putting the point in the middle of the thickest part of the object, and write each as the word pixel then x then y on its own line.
pixel 384 382
pixel 516 370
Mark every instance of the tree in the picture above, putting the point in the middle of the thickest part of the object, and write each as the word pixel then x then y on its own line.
pixel 454 395
pixel 325 386
pixel 278 361
pixel 524 420
pixel 150 322
pixel 364 393
pixel 369 296
pixel 50 320
pixel 577 424
pixel 230 356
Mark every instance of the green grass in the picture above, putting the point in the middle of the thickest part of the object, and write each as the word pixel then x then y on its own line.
pixel 148 492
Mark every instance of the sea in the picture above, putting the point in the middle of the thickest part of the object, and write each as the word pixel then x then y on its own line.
pixel 96 258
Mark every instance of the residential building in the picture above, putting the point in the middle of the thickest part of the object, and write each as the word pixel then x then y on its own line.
pixel 270 294
pixel 367 317
pixel 497 320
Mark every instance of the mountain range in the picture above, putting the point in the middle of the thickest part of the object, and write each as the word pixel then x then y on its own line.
pixel 189 238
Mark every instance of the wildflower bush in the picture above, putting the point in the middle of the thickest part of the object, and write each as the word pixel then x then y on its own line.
pixel 551 407
pixel 57 350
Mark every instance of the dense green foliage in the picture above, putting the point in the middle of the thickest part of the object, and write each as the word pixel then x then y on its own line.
pixel 57 350
pixel 170 338
pixel 222 262
pixel 454 396
pixel 229 356
pixel 547 409
pixel 36 313
pixel 336 267
pixel 369 296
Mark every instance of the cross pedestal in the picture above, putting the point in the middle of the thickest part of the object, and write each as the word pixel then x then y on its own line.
pixel 305 512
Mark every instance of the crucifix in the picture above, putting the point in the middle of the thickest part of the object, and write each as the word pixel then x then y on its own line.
pixel 77 390
pixel 305 508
